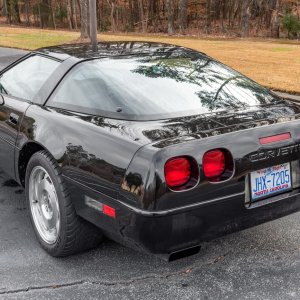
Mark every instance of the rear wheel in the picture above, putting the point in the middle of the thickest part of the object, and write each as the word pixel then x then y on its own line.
pixel 58 228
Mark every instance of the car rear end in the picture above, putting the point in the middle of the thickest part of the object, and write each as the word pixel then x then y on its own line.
pixel 197 188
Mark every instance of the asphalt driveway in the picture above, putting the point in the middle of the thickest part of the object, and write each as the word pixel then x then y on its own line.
pixel 258 263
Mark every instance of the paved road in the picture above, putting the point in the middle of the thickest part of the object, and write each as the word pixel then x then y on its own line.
pixel 259 263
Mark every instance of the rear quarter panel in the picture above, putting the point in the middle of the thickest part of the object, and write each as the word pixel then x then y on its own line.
pixel 92 151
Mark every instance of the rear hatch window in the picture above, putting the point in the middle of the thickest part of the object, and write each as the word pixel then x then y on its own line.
pixel 150 87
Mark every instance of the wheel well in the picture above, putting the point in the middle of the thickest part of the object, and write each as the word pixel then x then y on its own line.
pixel 26 153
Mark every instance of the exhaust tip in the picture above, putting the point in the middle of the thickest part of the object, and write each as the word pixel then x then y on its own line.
pixel 184 253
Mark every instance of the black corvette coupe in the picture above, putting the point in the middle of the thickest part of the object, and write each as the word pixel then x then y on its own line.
pixel 156 146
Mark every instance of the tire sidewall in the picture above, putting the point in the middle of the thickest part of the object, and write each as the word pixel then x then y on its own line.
pixel 43 160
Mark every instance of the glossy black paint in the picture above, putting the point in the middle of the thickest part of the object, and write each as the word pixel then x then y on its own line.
pixel 121 162
pixel 11 114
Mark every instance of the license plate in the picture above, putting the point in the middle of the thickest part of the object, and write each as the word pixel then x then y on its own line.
pixel 269 181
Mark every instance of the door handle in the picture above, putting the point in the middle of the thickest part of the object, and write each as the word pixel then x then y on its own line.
pixel 13 118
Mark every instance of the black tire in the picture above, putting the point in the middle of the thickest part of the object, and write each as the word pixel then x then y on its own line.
pixel 75 234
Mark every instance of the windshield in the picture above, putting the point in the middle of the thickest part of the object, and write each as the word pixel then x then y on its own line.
pixel 157 86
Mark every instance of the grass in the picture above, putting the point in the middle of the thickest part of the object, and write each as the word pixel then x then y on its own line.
pixel 31 39
pixel 272 63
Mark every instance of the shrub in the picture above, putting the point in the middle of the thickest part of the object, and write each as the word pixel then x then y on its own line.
pixel 291 24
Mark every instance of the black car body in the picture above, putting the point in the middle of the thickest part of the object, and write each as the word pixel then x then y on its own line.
pixel 115 162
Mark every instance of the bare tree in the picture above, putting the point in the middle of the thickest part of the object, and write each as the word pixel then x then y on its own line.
pixel 142 16
pixel 3 6
pixel 275 23
pixel 45 13
pixel 183 5
pixel 170 13
pixel 27 12
pixel 112 4
pixel 74 13
pixel 208 16
pixel 69 13
pixel 52 12
pixel 84 32
pixel 245 19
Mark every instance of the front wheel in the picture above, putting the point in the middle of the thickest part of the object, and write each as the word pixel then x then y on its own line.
pixel 59 230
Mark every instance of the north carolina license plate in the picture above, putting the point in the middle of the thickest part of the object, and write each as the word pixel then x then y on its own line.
pixel 270 181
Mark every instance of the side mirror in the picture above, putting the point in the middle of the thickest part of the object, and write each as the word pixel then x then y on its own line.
pixel 1 100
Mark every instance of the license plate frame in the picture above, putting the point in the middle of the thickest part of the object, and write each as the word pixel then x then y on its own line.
pixel 270 181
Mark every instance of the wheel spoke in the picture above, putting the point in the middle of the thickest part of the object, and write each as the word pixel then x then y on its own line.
pixel 37 187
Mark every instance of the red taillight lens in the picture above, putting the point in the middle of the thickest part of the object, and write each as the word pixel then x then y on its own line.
pixel 177 171
pixel 214 163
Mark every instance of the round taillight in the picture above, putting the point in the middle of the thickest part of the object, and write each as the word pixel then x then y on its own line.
pixel 177 171
pixel 214 163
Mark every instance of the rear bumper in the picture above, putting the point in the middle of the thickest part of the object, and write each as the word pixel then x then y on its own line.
pixel 165 232
pixel 177 231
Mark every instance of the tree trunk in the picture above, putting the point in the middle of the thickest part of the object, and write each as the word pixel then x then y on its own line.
pixel 112 5
pixel 183 5
pixel 208 16
pixel 40 15
pixel 69 14
pixel 142 15
pixel 246 14
pixel 170 13
pixel 52 13
pixel 8 11
pixel 27 12
pixel 74 13
pixel 88 18
pixel 84 33
pixel 44 9
pixel 152 11
pixel 275 23
pixel 100 6
pixel 4 7
pixel 131 14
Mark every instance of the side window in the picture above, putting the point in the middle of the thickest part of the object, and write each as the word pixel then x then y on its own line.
pixel 26 78
pixel 86 88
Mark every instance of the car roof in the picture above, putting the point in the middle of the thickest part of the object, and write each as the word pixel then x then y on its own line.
pixel 85 51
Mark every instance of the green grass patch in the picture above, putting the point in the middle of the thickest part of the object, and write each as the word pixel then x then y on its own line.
pixel 281 49
pixel 31 39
